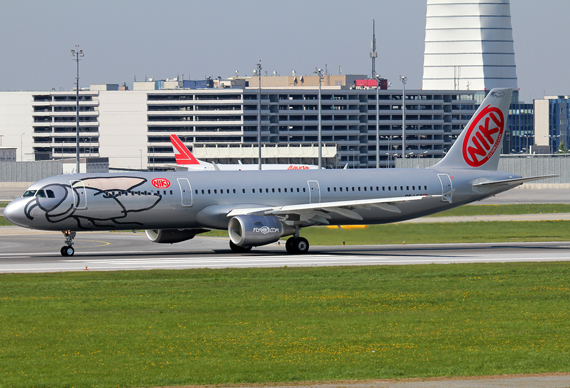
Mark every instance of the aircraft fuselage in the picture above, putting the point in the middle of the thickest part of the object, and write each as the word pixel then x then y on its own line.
pixel 186 200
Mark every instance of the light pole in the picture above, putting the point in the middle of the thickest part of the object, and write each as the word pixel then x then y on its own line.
pixel 22 146
pixel 258 73
pixel 319 73
pixel 404 79
pixel 76 54
pixel 377 122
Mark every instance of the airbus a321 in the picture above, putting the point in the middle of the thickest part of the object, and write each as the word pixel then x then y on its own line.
pixel 260 207
pixel 185 158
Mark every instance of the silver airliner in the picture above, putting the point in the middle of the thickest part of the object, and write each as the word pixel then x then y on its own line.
pixel 260 207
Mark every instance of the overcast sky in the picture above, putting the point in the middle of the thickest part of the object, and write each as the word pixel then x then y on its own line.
pixel 163 39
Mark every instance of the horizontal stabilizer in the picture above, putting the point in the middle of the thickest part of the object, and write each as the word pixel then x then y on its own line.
pixel 512 182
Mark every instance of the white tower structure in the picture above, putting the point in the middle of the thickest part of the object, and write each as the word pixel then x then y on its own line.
pixel 469 45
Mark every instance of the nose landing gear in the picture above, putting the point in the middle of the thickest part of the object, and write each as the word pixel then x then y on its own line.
pixel 68 250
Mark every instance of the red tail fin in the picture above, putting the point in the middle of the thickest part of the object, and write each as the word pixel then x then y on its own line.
pixel 184 156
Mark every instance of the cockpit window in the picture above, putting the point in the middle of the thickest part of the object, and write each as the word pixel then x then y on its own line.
pixel 29 193
pixel 50 194
pixel 41 194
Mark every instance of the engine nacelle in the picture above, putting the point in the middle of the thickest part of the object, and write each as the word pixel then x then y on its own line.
pixel 169 236
pixel 253 231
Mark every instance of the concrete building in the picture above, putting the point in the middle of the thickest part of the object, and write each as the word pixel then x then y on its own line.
pixel 469 45
pixel 132 127
pixel 551 120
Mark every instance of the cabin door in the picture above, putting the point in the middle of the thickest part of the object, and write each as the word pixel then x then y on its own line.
pixel 314 192
pixel 79 194
pixel 185 192
pixel 446 187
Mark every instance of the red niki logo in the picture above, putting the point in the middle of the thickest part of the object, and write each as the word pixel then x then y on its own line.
pixel 484 136
pixel 161 183
pixel 292 167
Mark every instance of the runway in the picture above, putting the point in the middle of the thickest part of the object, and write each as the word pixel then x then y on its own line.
pixel 32 251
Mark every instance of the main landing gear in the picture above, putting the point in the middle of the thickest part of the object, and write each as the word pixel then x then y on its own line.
pixel 68 250
pixel 297 245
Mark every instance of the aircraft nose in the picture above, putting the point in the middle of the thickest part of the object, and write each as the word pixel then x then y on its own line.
pixel 14 213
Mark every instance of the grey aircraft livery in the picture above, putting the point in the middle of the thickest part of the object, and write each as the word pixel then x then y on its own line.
pixel 260 207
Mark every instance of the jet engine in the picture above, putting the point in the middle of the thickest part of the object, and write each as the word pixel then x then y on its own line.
pixel 169 236
pixel 252 231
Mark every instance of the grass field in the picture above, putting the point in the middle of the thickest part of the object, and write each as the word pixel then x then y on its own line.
pixel 479 210
pixel 158 328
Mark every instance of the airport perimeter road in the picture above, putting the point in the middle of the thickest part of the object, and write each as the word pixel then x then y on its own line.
pixel 23 250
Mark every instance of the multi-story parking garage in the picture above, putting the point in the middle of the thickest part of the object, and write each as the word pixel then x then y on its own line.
pixel 132 127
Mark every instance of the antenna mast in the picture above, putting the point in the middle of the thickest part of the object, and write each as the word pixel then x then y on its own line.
pixel 373 54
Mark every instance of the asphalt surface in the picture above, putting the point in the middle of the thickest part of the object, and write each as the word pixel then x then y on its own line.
pixel 23 250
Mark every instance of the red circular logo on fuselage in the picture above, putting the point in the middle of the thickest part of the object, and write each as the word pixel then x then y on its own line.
pixel 484 136
pixel 161 183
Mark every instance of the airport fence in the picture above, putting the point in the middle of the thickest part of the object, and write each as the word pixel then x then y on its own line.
pixel 29 171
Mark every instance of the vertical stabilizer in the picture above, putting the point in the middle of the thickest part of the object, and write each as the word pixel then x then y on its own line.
pixel 479 145
pixel 184 156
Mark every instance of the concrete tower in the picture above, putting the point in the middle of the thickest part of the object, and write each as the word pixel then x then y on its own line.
pixel 469 45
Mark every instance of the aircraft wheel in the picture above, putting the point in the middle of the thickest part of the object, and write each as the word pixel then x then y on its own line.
pixel 290 245
pixel 238 249
pixel 67 251
pixel 301 245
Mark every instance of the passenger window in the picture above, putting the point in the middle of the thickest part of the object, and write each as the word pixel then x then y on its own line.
pixel 267 190
pixel 235 191
pixel 395 188
pixel 285 189
pixel 209 191
pixel 352 188
pixel 202 191
pixel 170 192
pixel 407 187
pixel 425 187
pixel 253 191
pixel 196 191
pixel 304 190
pixel 340 188
pixel 334 188
pixel 413 187
pixel 364 188
pixel 297 189
pixel 402 188
pixel 273 190
pixel 383 188
pixel 279 190
pixel 215 191
pixel 329 189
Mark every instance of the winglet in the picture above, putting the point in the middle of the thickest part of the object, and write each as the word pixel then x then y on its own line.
pixel 184 156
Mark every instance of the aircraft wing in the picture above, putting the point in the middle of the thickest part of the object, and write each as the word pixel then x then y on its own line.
pixel 512 182
pixel 319 212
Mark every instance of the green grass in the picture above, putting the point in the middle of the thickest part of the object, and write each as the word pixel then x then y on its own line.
pixel 479 210
pixel 4 222
pixel 3 204
pixel 165 328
